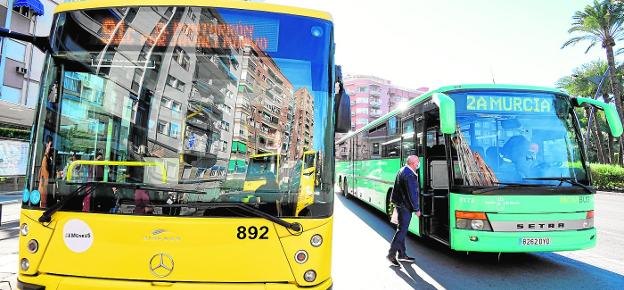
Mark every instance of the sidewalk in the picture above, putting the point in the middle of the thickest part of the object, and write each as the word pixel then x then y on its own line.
pixel 9 230
pixel 10 196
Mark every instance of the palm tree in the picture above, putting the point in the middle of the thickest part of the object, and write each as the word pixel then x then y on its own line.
pixel 601 23
pixel 583 82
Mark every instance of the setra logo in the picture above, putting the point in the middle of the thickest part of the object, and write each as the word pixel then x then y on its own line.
pixel 161 265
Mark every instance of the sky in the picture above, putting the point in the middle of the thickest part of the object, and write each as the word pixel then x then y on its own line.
pixel 416 43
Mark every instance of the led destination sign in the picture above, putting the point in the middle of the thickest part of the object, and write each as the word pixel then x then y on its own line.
pixel 204 35
pixel 511 104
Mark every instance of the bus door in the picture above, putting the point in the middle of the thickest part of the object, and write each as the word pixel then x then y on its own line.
pixel 352 157
pixel 411 133
pixel 308 176
pixel 435 194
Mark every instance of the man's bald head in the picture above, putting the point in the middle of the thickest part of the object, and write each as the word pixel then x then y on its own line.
pixel 413 162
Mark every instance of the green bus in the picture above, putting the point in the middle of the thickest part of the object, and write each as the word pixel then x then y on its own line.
pixel 503 167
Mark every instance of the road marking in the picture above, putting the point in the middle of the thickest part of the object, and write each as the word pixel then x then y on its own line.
pixel 426 277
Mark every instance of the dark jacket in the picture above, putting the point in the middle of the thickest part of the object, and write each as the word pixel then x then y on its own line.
pixel 405 190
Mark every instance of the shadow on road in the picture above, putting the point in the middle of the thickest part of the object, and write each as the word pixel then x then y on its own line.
pixel 459 270
pixel 9 230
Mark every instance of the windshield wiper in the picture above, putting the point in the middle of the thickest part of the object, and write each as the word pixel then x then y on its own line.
pixel 89 187
pixel 46 216
pixel 506 185
pixel 561 180
pixel 246 208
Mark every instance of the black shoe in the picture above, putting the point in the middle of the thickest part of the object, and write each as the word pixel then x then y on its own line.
pixel 393 261
pixel 406 259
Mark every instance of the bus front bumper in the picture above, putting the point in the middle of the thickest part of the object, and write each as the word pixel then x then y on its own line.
pixel 482 241
pixel 46 281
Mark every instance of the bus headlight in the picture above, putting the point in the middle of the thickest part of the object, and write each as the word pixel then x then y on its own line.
pixel 33 246
pixel 316 240
pixel 476 224
pixel 24 229
pixel 25 264
pixel 309 276
pixel 476 221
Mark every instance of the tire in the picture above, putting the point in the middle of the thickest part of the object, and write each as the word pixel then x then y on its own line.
pixel 389 206
pixel 345 188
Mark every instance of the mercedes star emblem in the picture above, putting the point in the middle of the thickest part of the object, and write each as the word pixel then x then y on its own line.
pixel 161 265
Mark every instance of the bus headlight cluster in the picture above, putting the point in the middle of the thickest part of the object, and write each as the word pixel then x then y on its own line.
pixel 476 221
pixel 476 224
pixel 316 240
pixel 309 276
pixel 301 256
pixel 25 264
pixel 33 246
pixel 24 229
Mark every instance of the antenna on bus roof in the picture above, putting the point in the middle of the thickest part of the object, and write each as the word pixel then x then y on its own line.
pixel 492 73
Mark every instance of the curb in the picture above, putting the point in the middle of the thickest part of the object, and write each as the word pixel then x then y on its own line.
pixel 610 193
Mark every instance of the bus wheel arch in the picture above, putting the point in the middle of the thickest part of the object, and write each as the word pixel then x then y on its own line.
pixel 345 187
pixel 389 205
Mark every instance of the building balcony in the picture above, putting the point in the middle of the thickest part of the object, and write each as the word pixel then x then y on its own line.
pixel 375 105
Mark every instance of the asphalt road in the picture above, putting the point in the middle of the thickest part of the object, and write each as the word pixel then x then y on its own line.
pixel 362 237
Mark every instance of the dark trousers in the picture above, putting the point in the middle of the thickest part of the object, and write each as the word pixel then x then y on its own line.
pixel 398 241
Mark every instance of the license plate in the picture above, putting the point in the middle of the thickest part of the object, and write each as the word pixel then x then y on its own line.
pixel 535 241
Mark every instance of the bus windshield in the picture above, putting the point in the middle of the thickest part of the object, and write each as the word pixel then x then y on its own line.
pixel 517 138
pixel 261 166
pixel 181 98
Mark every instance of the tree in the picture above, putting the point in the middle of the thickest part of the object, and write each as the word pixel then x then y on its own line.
pixel 583 82
pixel 601 23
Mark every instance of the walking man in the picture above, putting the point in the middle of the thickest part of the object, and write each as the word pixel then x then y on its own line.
pixel 405 198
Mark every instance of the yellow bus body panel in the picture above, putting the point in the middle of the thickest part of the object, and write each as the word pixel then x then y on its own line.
pixel 204 250
pixel 306 191
pixel 253 185
pixel 72 6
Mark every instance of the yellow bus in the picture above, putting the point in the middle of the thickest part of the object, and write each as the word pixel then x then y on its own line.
pixel 262 169
pixel 143 109
pixel 307 180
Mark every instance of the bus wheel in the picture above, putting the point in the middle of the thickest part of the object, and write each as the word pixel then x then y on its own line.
pixel 345 187
pixel 389 205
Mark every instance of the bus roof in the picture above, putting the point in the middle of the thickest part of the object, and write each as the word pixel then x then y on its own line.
pixel 235 4
pixel 446 89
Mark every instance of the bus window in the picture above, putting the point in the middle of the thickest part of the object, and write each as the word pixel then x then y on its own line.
pixel 391 148
pixel 308 161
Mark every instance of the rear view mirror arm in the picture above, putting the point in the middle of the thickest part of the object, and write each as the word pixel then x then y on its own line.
pixel 41 42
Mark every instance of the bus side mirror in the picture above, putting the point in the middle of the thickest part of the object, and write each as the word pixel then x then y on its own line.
pixel 343 113
pixel 41 42
pixel 342 103
pixel 611 114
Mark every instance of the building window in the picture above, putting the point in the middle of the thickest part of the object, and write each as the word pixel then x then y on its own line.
pixel 180 56
pixel 176 107
pixel 361 111
pixel 174 130
pixel 362 121
pixel 24 11
pixel 175 83
pixel 165 102
pixel 362 89
pixel 14 50
pixel 375 148
pixel 162 127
